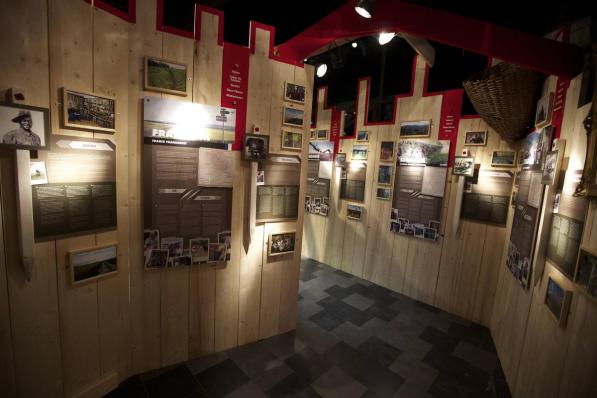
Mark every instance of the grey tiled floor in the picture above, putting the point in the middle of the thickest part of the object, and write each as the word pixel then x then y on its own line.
pixel 353 339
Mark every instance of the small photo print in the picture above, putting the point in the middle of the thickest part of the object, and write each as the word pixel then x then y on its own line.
pixel 434 224
pixel 421 128
pixel 173 245
pixel 38 173
pixel 384 193
pixel 549 170
pixel 363 136
pixel 387 151
pixel 543 114
pixel 151 239
pixel 93 263
pixel 340 160
pixel 475 138
pixel 418 231
pixel 313 135
pixel 282 243
pixel 394 227
pixel 260 177
pixel 323 210
pixel 217 252
pixel 463 166
pixel 255 147
pixel 322 135
pixel 503 158
pixel 384 175
pixel 294 93
pixel 394 214
pixel 199 250
pixel 293 117
pixel 431 233
pixel 158 258
pixel 292 140
pixel 182 261
pixel 360 152
pixel 226 238
pixel 354 212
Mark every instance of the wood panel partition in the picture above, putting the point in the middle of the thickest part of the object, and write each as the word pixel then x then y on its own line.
pixel 62 340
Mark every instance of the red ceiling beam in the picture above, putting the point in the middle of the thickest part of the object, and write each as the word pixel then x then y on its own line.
pixel 530 51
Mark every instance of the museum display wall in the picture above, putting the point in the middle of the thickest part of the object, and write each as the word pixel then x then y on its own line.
pixel 465 270
pixel 72 337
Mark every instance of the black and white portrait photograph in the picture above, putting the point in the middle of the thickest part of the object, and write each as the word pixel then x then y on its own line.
pixel 24 127
pixel 354 212
pixel 475 138
pixel 255 147
pixel 282 243
pixel 294 93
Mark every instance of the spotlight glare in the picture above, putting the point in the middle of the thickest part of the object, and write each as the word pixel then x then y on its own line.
pixel 322 70
pixel 362 12
pixel 365 8
pixel 385 38
pixel 354 44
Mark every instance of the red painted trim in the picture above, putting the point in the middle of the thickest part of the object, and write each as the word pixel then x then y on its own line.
pixel 481 37
pixel 199 8
pixel 272 51
pixel 160 27
pixel 131 16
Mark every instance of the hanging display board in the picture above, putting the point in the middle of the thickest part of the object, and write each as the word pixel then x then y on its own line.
pixel 187 185
pixel 74 187
pixel 419 188
pixel 278 188
pixel 489 197
pixel 352 181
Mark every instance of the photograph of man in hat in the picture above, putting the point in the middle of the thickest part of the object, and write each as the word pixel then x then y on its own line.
pixel 23 135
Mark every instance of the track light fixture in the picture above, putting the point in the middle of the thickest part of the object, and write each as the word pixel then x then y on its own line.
pixel 354 44
pixel 365 8
pixel 385 38
pixel 322 70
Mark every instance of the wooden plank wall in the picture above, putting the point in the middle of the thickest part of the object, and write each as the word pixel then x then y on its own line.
pixel 84 340
pixel 428 271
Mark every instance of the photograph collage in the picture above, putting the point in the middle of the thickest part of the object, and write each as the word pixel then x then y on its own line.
pixel 174 252
pixel 403 226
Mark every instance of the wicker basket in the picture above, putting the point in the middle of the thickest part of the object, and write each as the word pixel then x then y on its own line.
pixel 505 96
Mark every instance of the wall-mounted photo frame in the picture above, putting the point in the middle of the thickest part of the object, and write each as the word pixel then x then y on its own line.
pixel 360 152
pixel 217 252
pixel 340 160
pixel 384 193
pixel 354 212
pixel 165 76
pixel 292 140
pixel 386 151
pixel 199 250
pixel 557 299
pixel 24 126
pixel 38 173
pixel 550 168
pixel 255 147
pixel 543 113
pixel 88 111
pixel 415 129
pixel 503 158
pixel 294 93
pixel 384 174
pixel 293 117
pixel 475 138
pixel 281 243
pixel 363 136
pixel 92 264
pixel 586 272
pixel 312 134
pixel 464 166
pixel 323 135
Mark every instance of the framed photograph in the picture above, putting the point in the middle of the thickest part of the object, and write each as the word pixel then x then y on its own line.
pixel 354 212
pixel 586 272
pixel 394 214
pixel 157 258
pixel 225 237
pixel 416 129
pixel 293 117
pixel 323 210
pixel 88 111
pixel 557 300
pixel 418 231
pixel 549 168
pixel 94 263
pixel 165 76
pixel 360 152
pixel 23 126
pixel 363 136
pixel 384 193
pixel 475 138
pixel 384 174
pixel 430 233
pixel 294 93
pixel 255 147
pixel 322 135
pixel 182 261
pixel 260 177
pixel 394 227
pixel 292 140
pixel 39 175
pixel 386 152
pixel 151 239
pixel 281 243
pixel 199 250
pixel 544 108
pixel 463 166
pixel 503 158
pixel 434 224
pixel 340 160
pixel 217 252
pixel 313 134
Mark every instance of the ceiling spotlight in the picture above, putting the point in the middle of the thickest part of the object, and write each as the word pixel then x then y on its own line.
pixel 365 8
pixel 322 70
pixel 385 38
pixel 354 44
pixel 305 60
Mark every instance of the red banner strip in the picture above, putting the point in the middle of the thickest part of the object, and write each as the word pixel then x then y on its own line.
pixel 450 119
pixel 235 83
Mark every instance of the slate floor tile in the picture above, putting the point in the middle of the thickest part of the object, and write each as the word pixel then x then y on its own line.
pixel 198 365
pixel 308 364
pixel 476 356
pixel 283 345
pixel 222 378
pixel 253 358
pixel 335 383
pixel 465 375
pixel 382 312
pixel 439 339
pixel 292 387
pixel 176 383
pixel 247 390
pixel 359 302
pixel 380 351
pixel 270 378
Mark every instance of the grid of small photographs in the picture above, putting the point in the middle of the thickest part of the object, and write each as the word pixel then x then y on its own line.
pixel 317 205
pixel 173 252
pixel 403 226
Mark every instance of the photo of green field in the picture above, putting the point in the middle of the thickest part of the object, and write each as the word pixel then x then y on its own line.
pixel 164 75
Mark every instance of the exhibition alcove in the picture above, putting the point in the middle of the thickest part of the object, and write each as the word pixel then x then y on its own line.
pixel 187 216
